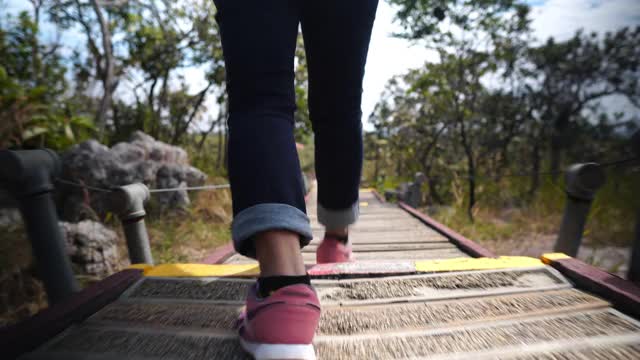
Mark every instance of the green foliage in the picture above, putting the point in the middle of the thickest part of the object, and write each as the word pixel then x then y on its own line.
pixel 437 21
pixel 34 104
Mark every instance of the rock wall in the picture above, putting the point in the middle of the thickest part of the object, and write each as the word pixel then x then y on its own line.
pixel 142 159
pixel 92 247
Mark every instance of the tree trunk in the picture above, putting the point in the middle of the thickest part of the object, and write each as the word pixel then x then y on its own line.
pixel 35 45
pixel 558 139
pixel 556 154
pixel 205 134
pixel 181 130
pixel 471 167
pixel 152 111
pixel 108 70
pixel 433 190
pixel 472 186
pixel 376 171
pixel 535 169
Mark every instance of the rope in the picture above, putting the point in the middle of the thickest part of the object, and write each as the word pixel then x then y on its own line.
pixel 460 173
pixel 224 186
pixel 105 190
pixel 192 188
pixel 82 186
pixel 620 162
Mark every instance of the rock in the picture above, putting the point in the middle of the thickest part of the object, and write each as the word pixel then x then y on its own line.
pixel 9 217
pixel 93 248
pixel 142 159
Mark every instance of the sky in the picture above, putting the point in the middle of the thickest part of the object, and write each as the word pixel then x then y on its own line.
pixel 389 56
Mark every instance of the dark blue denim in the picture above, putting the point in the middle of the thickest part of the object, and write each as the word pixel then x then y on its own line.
pixel 259 41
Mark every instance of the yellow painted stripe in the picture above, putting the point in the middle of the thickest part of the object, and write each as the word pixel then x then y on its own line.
pixel 366 189
pixel 203 270
pixel 550 257
pixel 252 270
pixel 143 267
pixel 364 203
pixel 462 264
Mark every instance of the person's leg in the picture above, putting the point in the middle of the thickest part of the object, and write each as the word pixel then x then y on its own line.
pixel 336 35
pixel 270 223
pixel 258 40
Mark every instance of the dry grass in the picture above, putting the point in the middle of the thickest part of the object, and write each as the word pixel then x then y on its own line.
pixel 507 227
pixel 188 236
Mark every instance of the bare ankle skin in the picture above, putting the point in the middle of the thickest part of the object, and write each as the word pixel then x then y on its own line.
pixel 278 252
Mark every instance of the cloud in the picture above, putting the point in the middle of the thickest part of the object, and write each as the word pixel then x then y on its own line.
pixel 562 18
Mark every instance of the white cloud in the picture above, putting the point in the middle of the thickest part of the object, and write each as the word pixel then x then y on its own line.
pixel 562 18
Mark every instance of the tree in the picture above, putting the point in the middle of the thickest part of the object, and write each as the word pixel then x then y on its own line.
pixel 573 75
pixel 34 104
pixel 475 40
pixel 97 23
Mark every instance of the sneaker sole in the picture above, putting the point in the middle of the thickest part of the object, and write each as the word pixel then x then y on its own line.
pixel 279 351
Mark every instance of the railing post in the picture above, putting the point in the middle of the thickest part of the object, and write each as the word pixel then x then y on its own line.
pixel 128 202
pixel 634 265
pixel 28 174
pixel 582 182
pixel 414 195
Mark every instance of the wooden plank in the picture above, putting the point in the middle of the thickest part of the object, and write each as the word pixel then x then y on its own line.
pixel 471 339
pixel 605 347
pixel 348 321
pixel 623 294
pixel 440 286
pixel 418 234
pixel 159 343
pixel 358 247
pixel 31 333
pixel 310 257
pixel 219 254
pixel 462 242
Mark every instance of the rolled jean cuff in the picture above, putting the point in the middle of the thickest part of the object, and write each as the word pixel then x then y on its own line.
pixel 337 219
pixel 263 217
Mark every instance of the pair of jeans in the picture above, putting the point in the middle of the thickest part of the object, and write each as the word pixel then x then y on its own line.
pixel 258 43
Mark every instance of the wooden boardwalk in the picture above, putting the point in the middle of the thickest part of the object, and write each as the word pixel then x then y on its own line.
pixel 426 312
pixel 383 232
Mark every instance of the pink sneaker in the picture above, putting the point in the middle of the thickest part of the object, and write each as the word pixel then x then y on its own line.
pixel 333 251
pixel 282 325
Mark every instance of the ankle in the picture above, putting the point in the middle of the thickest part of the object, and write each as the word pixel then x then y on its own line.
pixel 342 235
pixel 336 232
pixel 267 285
pixel 278 252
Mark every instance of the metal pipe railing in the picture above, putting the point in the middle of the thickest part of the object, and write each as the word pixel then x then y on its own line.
pixel 128 202
pixel 28 175
pixel 582 182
